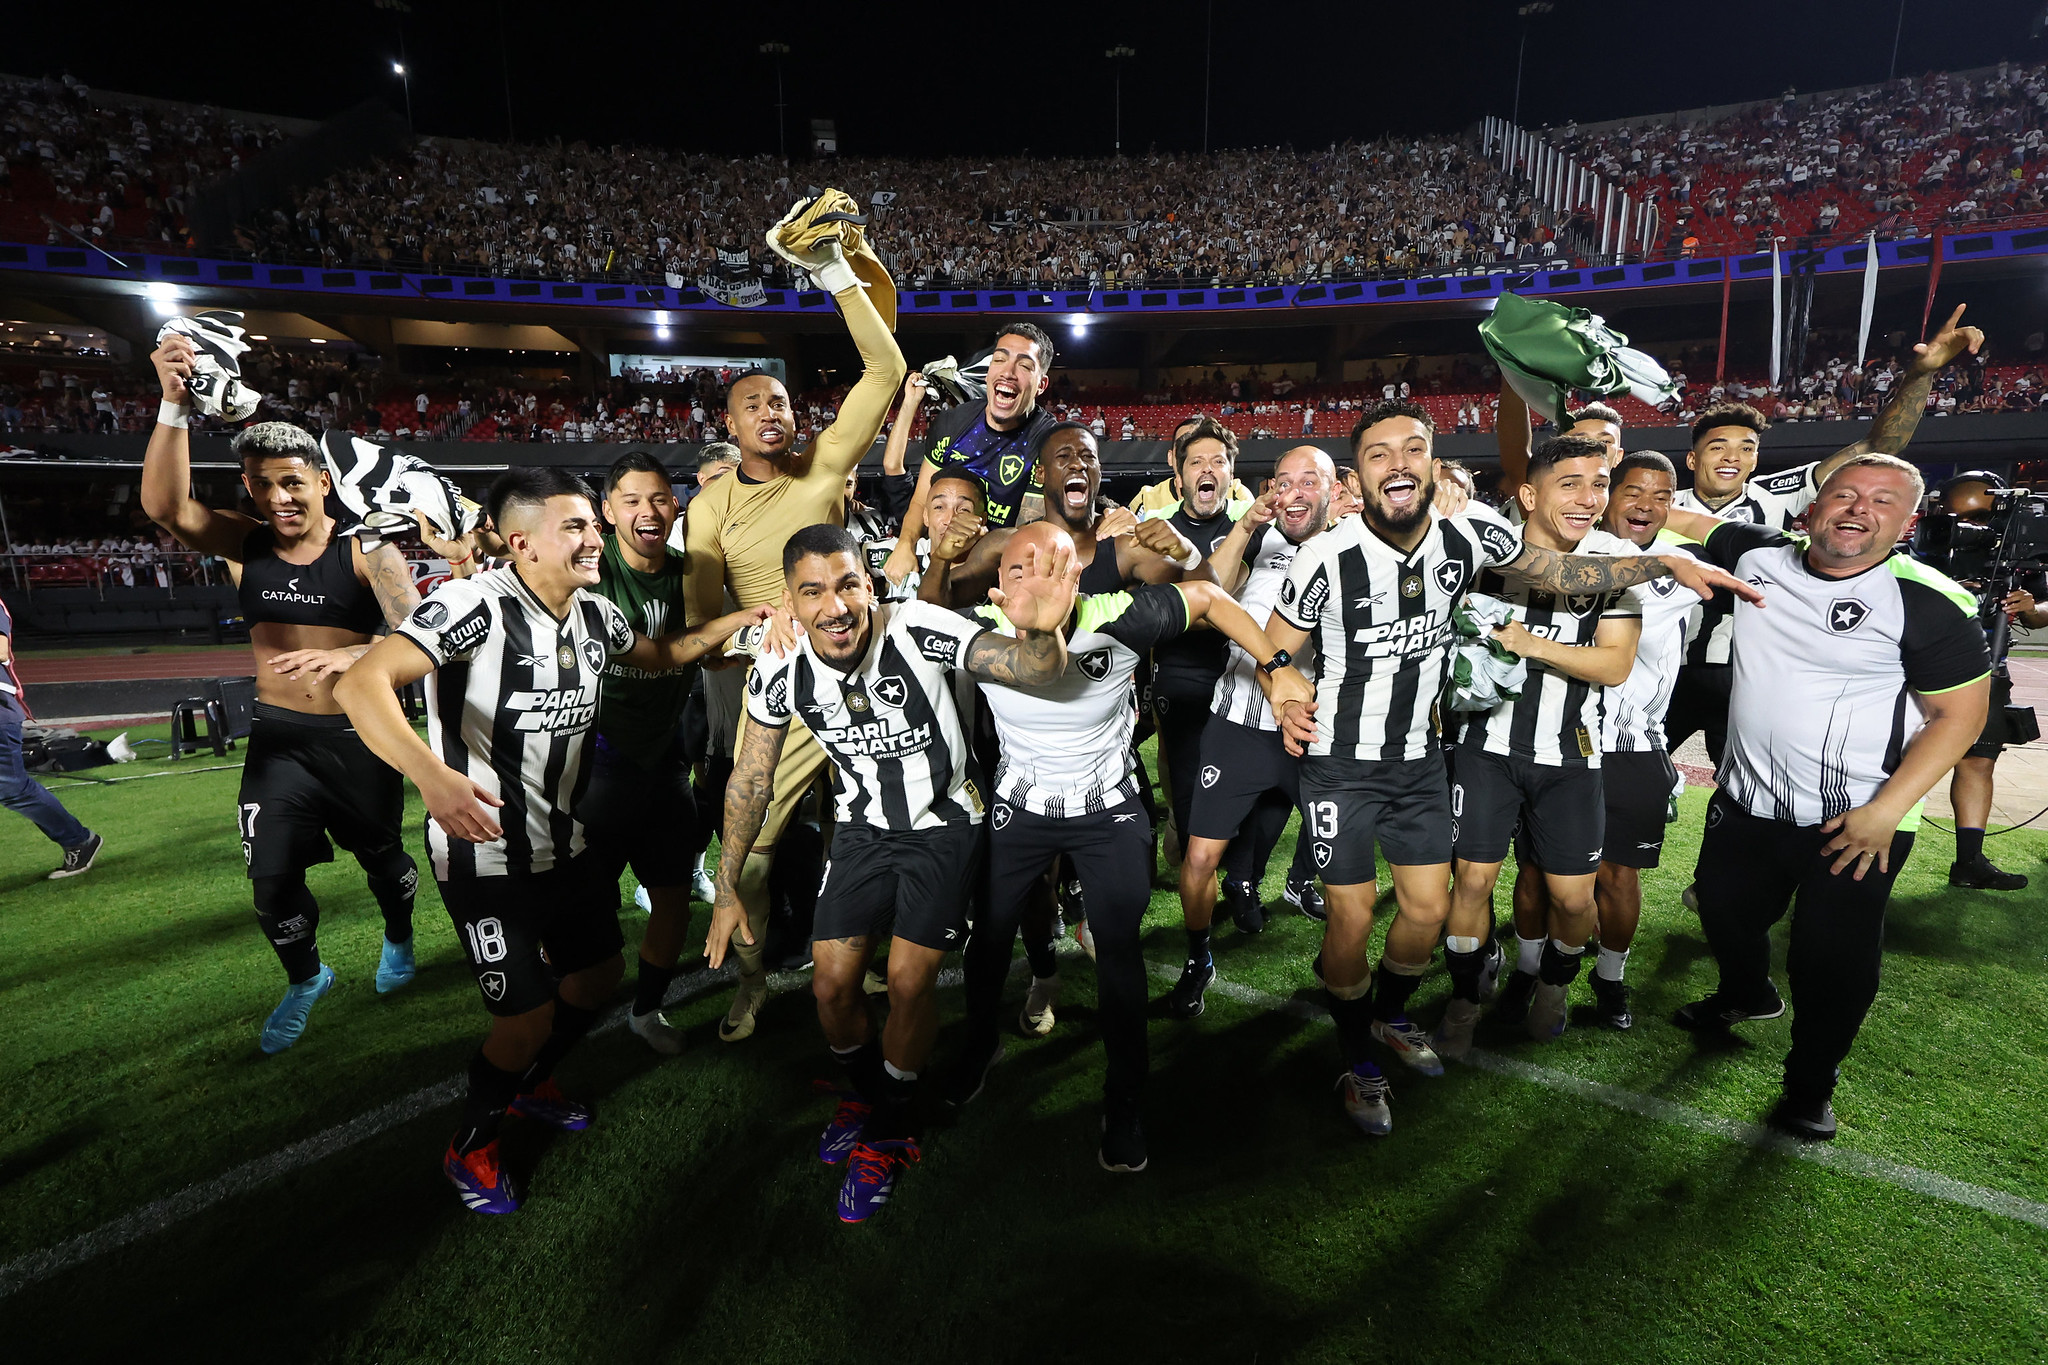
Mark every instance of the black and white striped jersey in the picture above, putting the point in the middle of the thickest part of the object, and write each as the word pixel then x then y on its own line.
pixel 1269 556
pixel 1822 707
pixel 890 724
pixel 1773 501
pixel 1066 746
pixel 512 705
pixel 1381 622
pixel 1556 720
pixel 1634 712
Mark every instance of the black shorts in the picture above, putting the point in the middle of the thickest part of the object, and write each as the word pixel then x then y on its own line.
pixel 306 777
pixel 1699 705
pixel 1239 765
pixel 641 815
pixel 908 884
pixel 1636 787
pixel 1997 731
pixel 1349 803
pixel 1561 811
pixel 524 931
pixel 1182 723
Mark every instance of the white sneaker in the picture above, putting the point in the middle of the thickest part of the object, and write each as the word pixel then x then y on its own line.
pixel 1365 1101
pixel 1489 974
pixel 1037 1018
pixel 746 999
pixel 641 899
pixel 702 888
pixel 657 1032
pixel 1547 1012
pixel 1453 1036
pixel 1410 1044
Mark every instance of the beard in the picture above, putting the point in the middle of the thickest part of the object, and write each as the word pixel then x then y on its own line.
pixel 1388 523
pixel 1319 517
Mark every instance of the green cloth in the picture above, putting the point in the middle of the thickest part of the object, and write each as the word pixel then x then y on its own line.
pixel 1484 672
pixel 637 711
pixel 1545 350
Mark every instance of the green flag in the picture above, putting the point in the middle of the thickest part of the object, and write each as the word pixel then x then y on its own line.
pixel 1545 350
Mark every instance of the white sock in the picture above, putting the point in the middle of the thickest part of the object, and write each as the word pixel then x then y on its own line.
pixel 1462 943
pixel 1566 949
pixel 1610 964
pixel 898 1073
pixel 1528 954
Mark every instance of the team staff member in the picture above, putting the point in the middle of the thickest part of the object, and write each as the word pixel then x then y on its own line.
pixel 21 793
pixel 1377 592
pixel 1160 499
pixel 735 533
pixel 1820 789
pixel 872 681
pixel 1068 788
pixel 1969 497
pixel 638 806
pixel 517 654
pixel 314 600
pixel 993 442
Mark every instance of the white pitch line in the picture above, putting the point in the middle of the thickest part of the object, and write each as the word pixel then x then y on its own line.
pixel 162 1214
pixel 1845 1160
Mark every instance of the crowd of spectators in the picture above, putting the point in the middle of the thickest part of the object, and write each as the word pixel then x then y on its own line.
pixel 1894 158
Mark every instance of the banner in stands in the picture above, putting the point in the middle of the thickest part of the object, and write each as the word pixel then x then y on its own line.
pixel 734 261
pixel 882 199
pixel 733 293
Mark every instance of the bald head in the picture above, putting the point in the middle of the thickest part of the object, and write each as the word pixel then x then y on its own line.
pixel 1303 483
pixel 1298 458
pixel 1042 536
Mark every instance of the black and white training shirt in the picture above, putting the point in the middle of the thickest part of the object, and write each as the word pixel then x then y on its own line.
pixel 1556 721
pixel 512 705
pixel 890 723
pixel 1381 620
pixel 1822 705
pixel 1772 501
pixel 1269 557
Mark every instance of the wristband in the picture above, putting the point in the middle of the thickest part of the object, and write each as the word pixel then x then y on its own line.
pixel 169 414
pixel 1191 561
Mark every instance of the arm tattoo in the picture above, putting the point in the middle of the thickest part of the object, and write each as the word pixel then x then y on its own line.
pixel 391 581
pixel 1895 424
pixel 1032 658
pixel 747 793
pixel 1569 574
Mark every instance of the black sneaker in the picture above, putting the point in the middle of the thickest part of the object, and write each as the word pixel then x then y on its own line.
pixel 1807 1119
pixel 1245 911
pixel 1185 1000
pixel 1304 897
pixel 79 859
pixel 1123 1142
pixel 1610 999
pixel 1511 1001
pixel 968 1077
pixel 1979 875
pixel 1719 1012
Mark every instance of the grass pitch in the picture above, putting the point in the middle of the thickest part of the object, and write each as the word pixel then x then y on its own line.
pixel 1504 1217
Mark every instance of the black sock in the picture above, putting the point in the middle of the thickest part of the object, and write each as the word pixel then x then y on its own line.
pixel 895 1114
pixel 863 1068
pixel 1969 844
pixel 1390 993
pixel 1466 969
pixel 290 918
pixel 483 1107
pixel 1558 967
pixel 394 886
pixel 1043 961
pixel 571 1023
pixel 1354 1025
pixel 1198 945
pixel 651 987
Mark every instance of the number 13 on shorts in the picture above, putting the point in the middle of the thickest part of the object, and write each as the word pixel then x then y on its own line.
pixel 1321 817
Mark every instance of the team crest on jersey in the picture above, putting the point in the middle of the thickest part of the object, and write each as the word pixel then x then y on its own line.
pixel 857 700
pixel 889 690
pixel 1000 817
pixel 1411 586
pixel 1095 664
pixel 1845 614
pixel 1211 775
pixel 493 984
pixel 1450 576
pixel 1581 604
pixel 1322 855
pixel 1663 587
pixel 1010 468
pixel 593 655
pixel 431 615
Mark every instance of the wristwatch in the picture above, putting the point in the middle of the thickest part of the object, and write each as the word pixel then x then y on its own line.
pixel 1276 663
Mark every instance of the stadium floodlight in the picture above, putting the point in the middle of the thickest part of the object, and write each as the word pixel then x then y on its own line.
pixel 1119 55
pixel 163 297
pixel 776 52
pixel 405 76
pixel 1534 7
pixel 1080 322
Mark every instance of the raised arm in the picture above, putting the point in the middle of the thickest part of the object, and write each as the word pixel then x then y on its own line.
pixel 903 558
pixel 842 444
pixel 747 793
pixel 368 693
pixel 1226 561
pixel 1513 437
pixel 167 466
pixel 1899 418
pixel 1038 603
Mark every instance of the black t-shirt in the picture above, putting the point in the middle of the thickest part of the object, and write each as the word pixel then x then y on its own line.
pixel 1186 668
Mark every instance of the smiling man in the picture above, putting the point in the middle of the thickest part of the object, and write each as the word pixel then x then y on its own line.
pixel 1376 592
pixel 871 681
pixel 1827 763
pixel 516 656
pixel 313 599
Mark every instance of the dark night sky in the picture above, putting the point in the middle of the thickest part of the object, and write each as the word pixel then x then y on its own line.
pixel 1021 79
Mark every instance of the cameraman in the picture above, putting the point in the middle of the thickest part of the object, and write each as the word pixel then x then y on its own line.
pixel 1971 499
